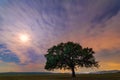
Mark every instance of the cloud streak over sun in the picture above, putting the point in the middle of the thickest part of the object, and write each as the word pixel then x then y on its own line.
pixel 29 27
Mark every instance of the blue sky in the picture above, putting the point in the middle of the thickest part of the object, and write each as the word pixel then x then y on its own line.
pixel 92 23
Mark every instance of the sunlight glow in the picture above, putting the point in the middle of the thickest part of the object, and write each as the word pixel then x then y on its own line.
pixel 24 38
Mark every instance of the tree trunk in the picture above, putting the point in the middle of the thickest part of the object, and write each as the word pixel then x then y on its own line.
pixel 73 72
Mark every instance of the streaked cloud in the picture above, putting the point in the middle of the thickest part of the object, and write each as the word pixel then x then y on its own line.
pixel 92 23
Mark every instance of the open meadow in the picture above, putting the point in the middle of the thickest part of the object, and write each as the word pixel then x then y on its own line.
pixel 110 76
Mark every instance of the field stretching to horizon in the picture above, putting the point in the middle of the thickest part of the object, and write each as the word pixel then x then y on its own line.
pixel 60 76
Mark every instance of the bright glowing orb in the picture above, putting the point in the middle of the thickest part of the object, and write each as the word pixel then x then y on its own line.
pixel 24 38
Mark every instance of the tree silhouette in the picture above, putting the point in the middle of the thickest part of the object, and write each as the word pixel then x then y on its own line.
pixel 69 56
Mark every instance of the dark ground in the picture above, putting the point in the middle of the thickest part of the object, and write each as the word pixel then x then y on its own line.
pixel 108 76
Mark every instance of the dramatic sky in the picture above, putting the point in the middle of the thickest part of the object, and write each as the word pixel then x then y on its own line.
pixel 29 27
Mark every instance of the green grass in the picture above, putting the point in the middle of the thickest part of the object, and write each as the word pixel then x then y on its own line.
pixel 111 76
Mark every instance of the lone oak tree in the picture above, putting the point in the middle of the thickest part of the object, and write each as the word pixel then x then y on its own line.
pixel 69 56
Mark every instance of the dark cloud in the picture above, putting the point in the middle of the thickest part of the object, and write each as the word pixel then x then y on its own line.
pixel 109 55
pixel 8 56
pixel 108 12
pixel 34 56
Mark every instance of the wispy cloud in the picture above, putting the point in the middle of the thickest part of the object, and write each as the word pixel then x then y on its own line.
pixel 92 23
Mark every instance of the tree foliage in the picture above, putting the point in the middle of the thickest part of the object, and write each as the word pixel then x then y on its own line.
pixel 69 56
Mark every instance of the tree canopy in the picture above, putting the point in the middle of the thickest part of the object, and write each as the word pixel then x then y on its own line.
pixel 70 55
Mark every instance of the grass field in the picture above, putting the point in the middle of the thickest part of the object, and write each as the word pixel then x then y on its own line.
pixel 114 76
